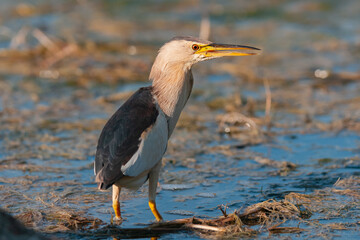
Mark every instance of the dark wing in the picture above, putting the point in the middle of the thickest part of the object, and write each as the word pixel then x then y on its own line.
pixel 120 138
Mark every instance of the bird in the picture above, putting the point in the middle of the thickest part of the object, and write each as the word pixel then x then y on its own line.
pixel 133 141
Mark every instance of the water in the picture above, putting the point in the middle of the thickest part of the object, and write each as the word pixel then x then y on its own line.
pixel 49 124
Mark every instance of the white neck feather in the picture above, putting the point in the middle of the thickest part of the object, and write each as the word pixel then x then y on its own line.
pixel 172 86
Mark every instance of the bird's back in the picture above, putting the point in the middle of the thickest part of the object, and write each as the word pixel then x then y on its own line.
pixel 121 136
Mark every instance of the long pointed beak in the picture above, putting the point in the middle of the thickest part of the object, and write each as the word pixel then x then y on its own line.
pixel 215 50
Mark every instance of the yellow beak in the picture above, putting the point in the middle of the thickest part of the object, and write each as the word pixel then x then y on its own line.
pixel 215 50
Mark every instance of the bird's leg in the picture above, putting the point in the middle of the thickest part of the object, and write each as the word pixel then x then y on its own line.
pixel 116 204
pixel 153 180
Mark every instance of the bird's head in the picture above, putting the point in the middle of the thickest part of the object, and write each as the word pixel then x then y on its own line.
pixel 174 61
pixel 187 51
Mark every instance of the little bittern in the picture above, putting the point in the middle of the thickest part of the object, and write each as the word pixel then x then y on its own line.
pixel 134 140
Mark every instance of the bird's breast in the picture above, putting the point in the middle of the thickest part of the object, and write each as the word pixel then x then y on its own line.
pixel 184 95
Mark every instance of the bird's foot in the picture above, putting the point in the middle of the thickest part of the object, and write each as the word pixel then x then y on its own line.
pixel 159 220
pixel 117 220
pixel 154 210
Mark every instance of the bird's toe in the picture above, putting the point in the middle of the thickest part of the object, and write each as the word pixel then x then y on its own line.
pixel 118 220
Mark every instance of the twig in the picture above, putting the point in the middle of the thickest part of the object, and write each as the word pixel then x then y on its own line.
pixel 223 210
pixel 268 102
pixel 205 27
pixel 64 52
pixel 45 40
pixel 205 227
pixel 19 38
pixel 285 230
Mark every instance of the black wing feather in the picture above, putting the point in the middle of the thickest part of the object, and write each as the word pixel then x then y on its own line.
pixel 120 137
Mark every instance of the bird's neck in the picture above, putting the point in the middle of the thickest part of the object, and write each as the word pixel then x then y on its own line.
pixel 172 87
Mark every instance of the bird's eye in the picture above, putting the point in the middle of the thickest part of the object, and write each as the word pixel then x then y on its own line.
pixel 195 47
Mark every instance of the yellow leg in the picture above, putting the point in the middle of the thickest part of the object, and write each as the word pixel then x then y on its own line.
pixel 116 204
pixel 153 181
pixel 156 213
pixel 117 211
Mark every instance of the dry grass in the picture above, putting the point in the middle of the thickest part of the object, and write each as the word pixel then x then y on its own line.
pixel 267 216
pixel 58 87
pixel 65 220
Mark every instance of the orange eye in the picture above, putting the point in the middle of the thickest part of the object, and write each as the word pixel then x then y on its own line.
pixel 195 47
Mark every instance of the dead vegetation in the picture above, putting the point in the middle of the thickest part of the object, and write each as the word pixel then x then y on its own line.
pixel 58 85
pixel 294 214
pixel 65 220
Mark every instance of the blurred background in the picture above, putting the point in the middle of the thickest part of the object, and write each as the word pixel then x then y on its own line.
pixel 255 128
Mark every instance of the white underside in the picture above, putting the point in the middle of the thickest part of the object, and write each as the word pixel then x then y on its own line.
pixel 133 183
pixel 151 149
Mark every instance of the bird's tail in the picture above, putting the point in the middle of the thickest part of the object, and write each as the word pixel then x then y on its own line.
pixel 101 181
